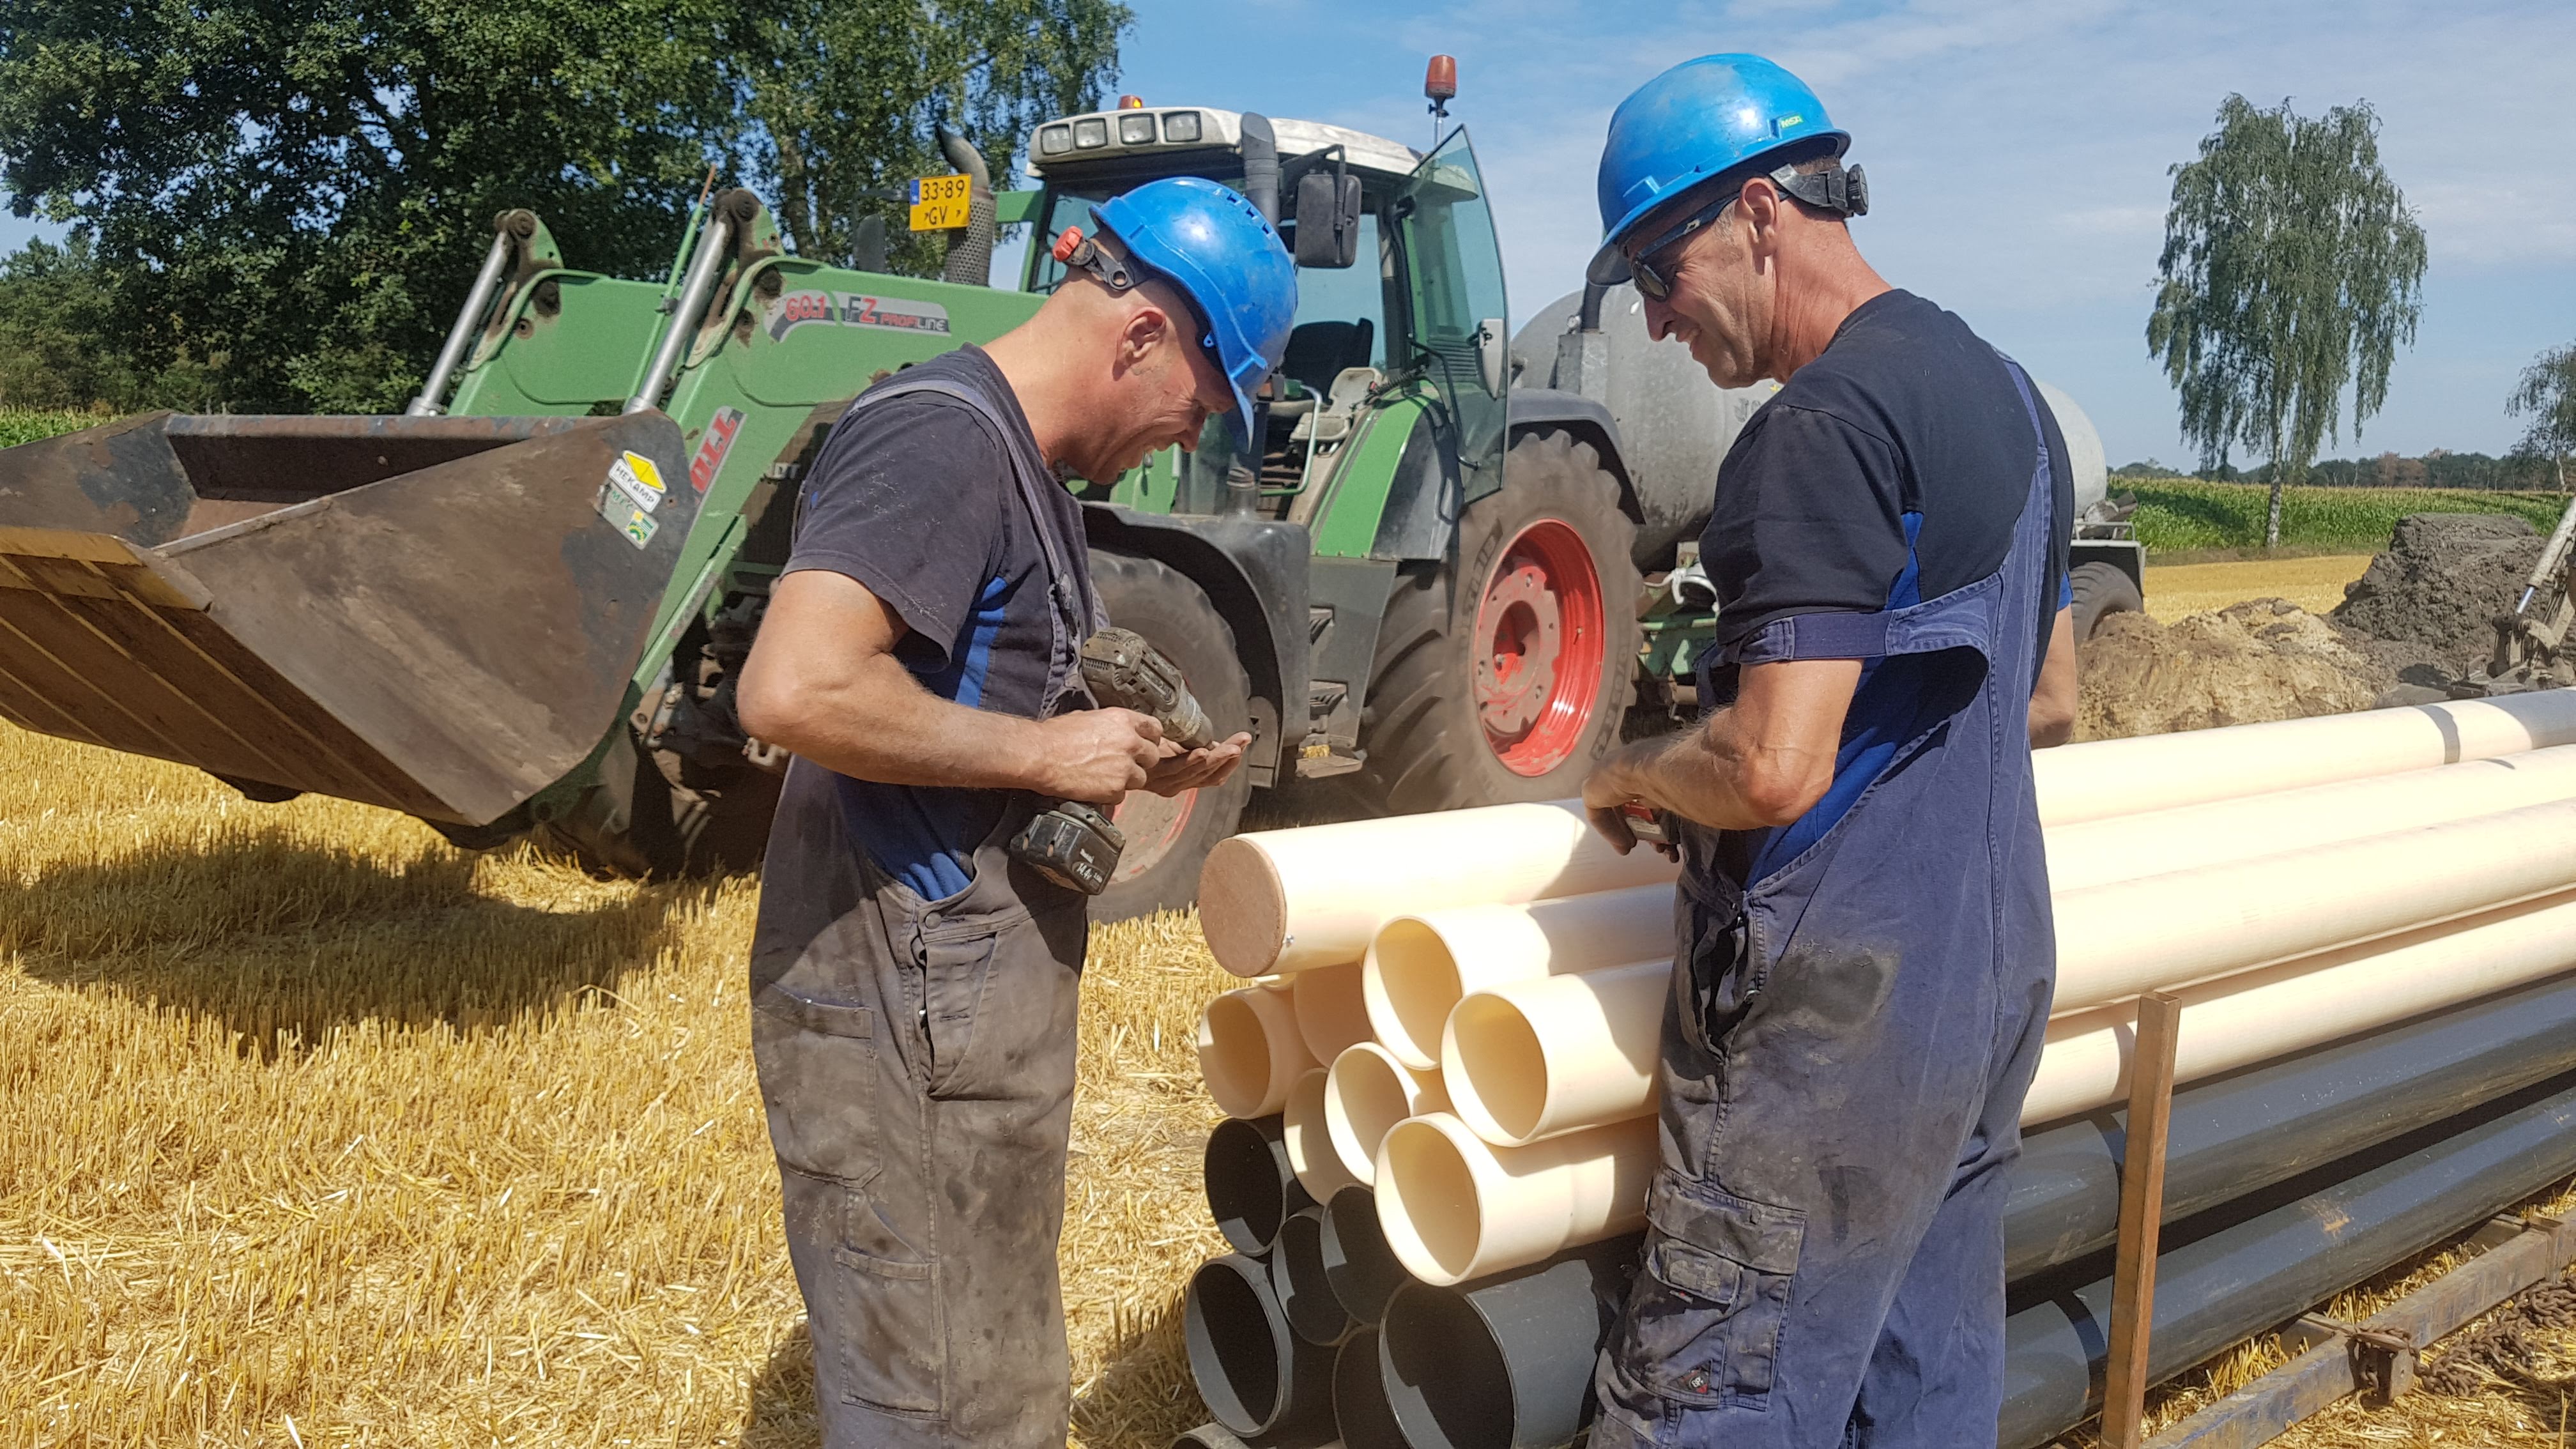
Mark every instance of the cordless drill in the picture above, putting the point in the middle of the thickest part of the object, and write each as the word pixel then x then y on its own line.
pixel 1074 844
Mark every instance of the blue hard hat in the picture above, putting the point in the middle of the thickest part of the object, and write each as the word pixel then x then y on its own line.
pixel 1691 124
pixel 1210 242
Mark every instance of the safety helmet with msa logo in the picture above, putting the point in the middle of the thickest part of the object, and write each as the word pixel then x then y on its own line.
pixel 1721 119
pixel 1224 256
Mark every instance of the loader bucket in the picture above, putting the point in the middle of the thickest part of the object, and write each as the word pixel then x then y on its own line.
pixel 438 615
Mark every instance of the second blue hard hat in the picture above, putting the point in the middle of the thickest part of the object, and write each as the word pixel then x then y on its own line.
pixel 1692 124
pixel 1213 244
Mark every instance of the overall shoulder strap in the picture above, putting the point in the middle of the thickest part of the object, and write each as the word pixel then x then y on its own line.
pixel 1069 587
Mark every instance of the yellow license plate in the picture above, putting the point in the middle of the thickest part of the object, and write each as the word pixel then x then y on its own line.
pixel 939 202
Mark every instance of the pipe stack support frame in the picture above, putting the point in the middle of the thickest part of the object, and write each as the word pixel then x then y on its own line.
pixel 1256 1376
pixel 1308 1138
pixel 1251 1052
pixel 1455 1207
pixel 1291 900
pixel 1368 1093
pixel 2104 778
pixel 1530 1060
pixel 1420 964
pixel 1252 1190
pixel 1363 1271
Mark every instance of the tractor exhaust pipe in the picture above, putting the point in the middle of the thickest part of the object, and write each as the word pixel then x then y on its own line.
pixel 508 229
pixel 970 257
pixel 1297 1278
pixel 1362 1269
pixel 1505 1363
pixel 1257 1377
pixel 1252 1190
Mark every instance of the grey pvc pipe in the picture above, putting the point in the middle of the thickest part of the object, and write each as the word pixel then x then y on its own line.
pixel 1251 1188
pixel 1209 1436
pixel 1504 1363
pixel 1257 1377
pixel 1297 1277
pixel 1362 1269
pixel 2236 1135
pixel 1361 1413
pixel 2259 1268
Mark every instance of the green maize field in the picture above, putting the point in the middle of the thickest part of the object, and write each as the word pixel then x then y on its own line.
pixel 2187 515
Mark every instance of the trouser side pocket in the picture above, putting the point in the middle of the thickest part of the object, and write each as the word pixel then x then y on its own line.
pixel 1703 1323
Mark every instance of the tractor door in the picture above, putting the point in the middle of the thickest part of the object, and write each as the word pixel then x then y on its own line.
pixel 1453 269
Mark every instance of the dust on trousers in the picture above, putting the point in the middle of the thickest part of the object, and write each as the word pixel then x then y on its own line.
pixel 1848 1043
pixel 917 1062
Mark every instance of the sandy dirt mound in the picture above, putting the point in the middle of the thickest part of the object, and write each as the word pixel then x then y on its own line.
pixel 2265 659
pixel 2423 607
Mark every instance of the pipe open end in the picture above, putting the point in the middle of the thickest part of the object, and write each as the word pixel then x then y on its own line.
pixel 1332 1010
pixel 1363 1273
pixel 1427 1202
pixel 1359 1396
pixel 1234 1344
pixel 1368 1093
pixel 1244 1192
pixel 1416 979
pixel 1297 1276
pixel 1496 1069
pixel 1447 1383
pixel 1234 1055
pixel 1243 909
pixel 1305 1128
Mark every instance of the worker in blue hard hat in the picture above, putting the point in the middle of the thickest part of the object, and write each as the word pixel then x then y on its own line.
pixel 913 973
pixel 1866 955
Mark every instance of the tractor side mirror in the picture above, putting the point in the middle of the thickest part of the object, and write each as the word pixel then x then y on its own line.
pixel 1493 355
pixel 1328 219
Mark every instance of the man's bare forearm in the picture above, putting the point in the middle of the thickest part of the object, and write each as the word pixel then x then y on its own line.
pixel 878 723
pixel 1717 777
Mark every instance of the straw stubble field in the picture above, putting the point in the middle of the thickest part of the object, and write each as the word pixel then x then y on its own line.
pixel 315 1131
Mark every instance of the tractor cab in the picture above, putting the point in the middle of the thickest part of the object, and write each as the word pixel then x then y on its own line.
pixel 1399 282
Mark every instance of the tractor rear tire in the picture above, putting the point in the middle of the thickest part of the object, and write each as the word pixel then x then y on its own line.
pixel 1504 673
pixel 2101 590
pixel 1168 840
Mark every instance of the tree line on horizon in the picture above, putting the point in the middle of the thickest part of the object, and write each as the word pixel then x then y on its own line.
pixel 2516 472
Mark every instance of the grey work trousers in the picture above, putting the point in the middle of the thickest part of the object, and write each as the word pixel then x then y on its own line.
pixel 917 1059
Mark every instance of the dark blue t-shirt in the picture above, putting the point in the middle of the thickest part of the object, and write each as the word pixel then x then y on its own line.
pixel 914 498
pixel 1888 471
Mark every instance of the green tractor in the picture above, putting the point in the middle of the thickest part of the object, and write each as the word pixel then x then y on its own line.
pixel 519 609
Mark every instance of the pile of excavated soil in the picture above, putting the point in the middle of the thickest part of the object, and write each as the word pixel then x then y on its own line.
pixel 2424 608
pixel 2248 663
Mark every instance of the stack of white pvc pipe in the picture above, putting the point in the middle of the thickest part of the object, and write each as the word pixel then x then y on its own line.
pixel 1473 1001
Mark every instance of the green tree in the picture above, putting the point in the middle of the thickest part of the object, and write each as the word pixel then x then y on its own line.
pixel 288 198
pixel 2292 267
pixel 2547 395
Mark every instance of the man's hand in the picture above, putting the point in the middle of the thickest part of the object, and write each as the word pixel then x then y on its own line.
pixel 1182 770
pixel 1611 785
pixel 1098 755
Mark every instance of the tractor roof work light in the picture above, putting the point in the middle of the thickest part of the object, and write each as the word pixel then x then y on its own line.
pixel 1440 87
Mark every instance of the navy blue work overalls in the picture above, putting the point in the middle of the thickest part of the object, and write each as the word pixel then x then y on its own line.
pixel 916 1058
pixel 1851 1032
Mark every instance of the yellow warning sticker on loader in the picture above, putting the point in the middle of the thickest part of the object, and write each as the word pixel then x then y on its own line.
pixel 634 475
pixel 637 524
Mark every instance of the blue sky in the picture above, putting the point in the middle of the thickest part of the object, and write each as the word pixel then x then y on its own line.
pixel 2017 153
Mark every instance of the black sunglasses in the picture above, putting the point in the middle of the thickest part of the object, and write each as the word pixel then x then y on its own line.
pixel 1642 270
pixel 1842 189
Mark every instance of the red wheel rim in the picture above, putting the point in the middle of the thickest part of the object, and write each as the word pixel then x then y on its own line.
pixel 1540 620
pixel 1152 825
